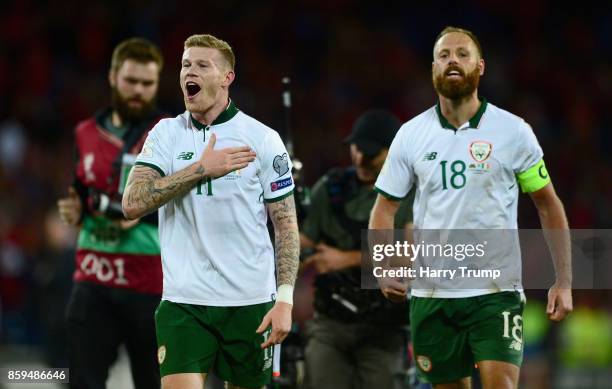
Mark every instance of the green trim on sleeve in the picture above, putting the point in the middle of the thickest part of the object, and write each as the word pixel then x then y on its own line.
pixel 279 198
pixel 387 195
pixel 534 178
pixel 157 168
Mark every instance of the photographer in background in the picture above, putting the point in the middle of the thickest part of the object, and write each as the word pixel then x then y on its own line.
pixel 356 337
pixel 118 276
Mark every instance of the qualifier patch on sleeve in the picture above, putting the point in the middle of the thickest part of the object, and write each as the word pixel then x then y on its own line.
pixel 280 184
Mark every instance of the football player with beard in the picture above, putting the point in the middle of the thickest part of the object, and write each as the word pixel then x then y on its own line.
pixel 467 159
pixel 118 276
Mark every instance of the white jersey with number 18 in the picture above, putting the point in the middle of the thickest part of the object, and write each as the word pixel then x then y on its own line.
pixel 467 177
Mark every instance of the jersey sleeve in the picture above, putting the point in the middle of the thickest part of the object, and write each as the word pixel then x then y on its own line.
pixel 528 164
pixel 276 167
pixel 156 151
pixel 397 175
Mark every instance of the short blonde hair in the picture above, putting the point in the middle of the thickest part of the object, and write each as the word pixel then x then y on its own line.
pixel 470 34
pixel 206 40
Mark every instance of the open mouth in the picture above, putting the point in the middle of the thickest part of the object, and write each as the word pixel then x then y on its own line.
pixel 454 73
pixel 192 88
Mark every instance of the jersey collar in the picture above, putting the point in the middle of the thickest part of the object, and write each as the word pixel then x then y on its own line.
pixel 223 117
pixel 474 121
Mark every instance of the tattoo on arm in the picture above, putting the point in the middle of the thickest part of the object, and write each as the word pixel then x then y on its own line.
pixel 146 190
pixel 287 239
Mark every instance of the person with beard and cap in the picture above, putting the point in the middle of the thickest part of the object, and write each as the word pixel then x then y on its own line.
pixel 216 173
pixel 118 276
pixel 355 339
pixel 467 159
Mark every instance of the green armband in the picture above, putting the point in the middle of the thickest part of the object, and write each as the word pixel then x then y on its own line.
pixel 534 178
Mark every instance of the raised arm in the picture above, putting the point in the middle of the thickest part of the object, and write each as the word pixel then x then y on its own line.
pixel 147 190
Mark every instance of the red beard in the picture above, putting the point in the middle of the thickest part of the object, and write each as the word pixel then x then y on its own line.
pixel 456 89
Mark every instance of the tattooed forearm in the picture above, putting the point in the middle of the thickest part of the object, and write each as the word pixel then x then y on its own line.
pixel 147 190
pixel 287 239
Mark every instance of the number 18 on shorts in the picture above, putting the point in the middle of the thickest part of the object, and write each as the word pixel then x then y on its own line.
pixel 450 335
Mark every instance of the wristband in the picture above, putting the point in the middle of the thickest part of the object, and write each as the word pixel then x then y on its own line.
pixel 285 294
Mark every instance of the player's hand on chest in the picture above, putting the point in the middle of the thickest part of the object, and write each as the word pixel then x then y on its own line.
pixel 234 183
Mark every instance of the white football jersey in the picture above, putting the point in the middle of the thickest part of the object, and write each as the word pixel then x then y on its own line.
pixel 215 245
pixel 465 178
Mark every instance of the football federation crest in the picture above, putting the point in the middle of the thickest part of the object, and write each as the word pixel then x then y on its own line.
pixel 161 354
pixel 281 164
pixel 424 363
pixel 480 150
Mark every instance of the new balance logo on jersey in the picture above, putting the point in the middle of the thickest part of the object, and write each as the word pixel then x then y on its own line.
pixel 430 156
pixel 185 155
pixel 516 345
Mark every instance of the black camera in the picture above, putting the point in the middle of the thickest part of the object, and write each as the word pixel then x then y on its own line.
pixel 99 202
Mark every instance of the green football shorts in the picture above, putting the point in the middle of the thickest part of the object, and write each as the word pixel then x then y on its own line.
pixel 450 335
pixel 196 339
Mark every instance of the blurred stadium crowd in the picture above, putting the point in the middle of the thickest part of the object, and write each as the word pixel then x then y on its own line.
pixel 550 65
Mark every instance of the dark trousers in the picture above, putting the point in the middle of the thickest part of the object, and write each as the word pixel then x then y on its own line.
pixel 99 320
pixel 352 355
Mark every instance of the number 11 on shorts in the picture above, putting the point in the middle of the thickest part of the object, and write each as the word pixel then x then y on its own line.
pixel 268 351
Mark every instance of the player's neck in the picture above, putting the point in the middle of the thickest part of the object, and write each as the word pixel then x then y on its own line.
pixel 459 111
pixel 213 112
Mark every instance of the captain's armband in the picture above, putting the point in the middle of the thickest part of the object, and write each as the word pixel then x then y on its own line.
pixel 534 178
